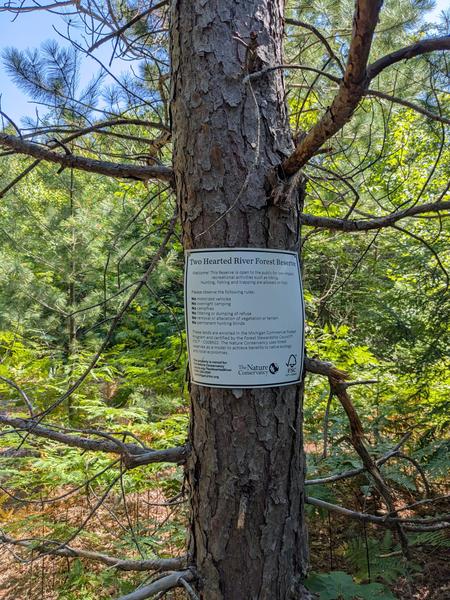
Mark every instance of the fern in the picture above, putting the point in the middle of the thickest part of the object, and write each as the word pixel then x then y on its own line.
pixel 337 585
pixel 436 539
pixel 386 568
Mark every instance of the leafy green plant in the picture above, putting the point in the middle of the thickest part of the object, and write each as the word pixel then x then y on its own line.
pixel 381 565
pixel 338 585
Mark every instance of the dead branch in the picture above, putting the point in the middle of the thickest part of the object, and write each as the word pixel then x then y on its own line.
pixel 159 564
pixel 130 23
pixel 19 177
pixel 9 6
pixel 407 104
pixel 132 454
pixel 354 472
pixel 420 503
pixel 326 421
pixel 408 524
pixel 18 389
pixel 189 589
pixel 419 469
pixel 348 384
pixel 164 584
pixel 72 491
pixel 357 225
pixel 357 440
pixel 117 170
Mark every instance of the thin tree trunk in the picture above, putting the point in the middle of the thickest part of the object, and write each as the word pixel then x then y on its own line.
pixel 246 470
pixel 71 324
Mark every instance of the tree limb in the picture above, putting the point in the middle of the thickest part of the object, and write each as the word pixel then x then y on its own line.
pixel 356 80
pixel 132 454
pixel 320 367
pixel 159 564
pixel 18 389
pixel 357 225
pixel 354 472
pixel 350 90
pixel 160 585
pixel 118 170
pixel 408 52
pixel 409 524
pixel 99 126
pixel 339 388
pixel 9 7
pixel 415 107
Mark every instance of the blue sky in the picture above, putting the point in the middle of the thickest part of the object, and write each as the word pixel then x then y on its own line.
pixel 31 29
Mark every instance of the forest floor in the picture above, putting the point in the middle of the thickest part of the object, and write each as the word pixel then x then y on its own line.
pixel 429 578
pixel 61 578
pixel 55 578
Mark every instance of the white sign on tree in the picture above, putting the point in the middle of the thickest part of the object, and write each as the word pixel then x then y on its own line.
pixel 244 317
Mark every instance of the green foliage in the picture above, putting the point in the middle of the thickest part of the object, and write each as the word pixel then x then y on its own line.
pixel 381 564
pixel 337 585
pixel 73 245
pixel 88 585
pixel 435 539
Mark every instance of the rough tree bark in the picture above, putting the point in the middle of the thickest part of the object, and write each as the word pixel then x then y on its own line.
pixel 246 468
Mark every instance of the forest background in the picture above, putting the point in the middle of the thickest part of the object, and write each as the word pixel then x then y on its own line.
pixel 377 305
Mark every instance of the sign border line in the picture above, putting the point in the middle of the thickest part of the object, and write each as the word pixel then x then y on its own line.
pixel 302 314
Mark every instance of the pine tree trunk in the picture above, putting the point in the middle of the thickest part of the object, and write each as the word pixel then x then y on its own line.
pixel 246 469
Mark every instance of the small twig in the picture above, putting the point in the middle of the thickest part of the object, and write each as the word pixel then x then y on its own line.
pixel 25 398
pixel 354 472
pixel 325 425
pixel 421 472
pixel 420 503
pixel 362 382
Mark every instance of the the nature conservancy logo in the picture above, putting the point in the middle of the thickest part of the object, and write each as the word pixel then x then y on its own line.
pixel 273 368
pixel 253 369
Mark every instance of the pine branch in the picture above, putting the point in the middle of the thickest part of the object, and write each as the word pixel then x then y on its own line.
pixel 44 547
pixel 357 225
pixel 117 170
pixel 408 52
pixel 132 454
